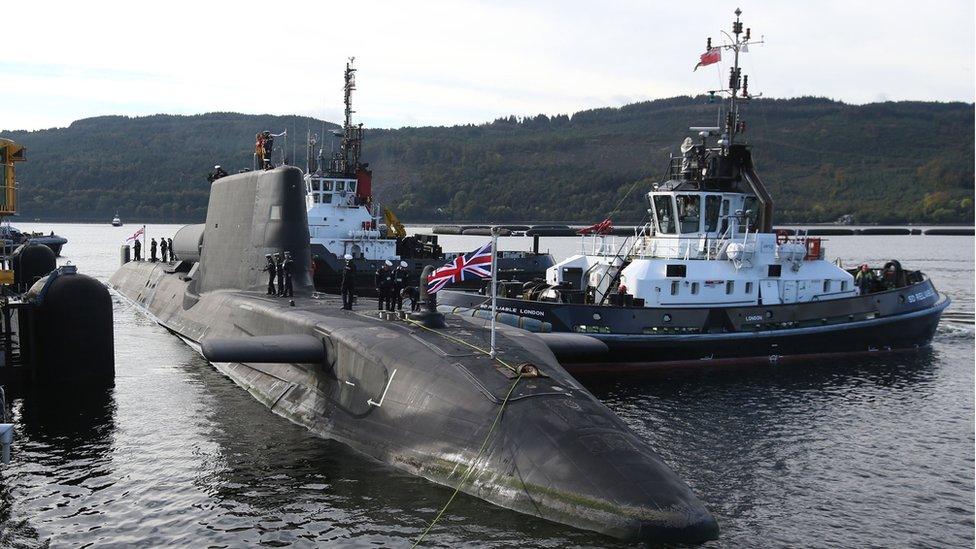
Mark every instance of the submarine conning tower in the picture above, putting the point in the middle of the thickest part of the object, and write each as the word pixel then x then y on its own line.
pixel 252 214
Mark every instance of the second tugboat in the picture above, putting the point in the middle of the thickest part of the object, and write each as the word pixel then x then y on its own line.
pixel 344 219
pixel 708 279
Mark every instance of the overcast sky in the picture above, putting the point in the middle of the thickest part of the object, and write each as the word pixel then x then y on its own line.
pixel 436 63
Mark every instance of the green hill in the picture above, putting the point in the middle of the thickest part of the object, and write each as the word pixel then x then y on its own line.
pixel 883 162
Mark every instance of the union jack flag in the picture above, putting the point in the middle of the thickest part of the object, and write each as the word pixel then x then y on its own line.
pixel 138 233
pixel 476 264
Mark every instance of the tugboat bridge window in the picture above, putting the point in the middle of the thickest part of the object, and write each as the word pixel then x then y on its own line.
pixel 327 185
pixel 315 185
pixel 725 216
pixel 689 212
pixel 712 204
pixel 664 214
pixel 751 209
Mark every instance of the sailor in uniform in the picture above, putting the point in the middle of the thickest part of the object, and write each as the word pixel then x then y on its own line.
pixel 172 253
pixel 384 286
pixel 399 283
pixel 137 249
pixel 280 272
pixel 348 284
pixel 272 270
pixel 286 267
pixel 163 249
pixel 152 250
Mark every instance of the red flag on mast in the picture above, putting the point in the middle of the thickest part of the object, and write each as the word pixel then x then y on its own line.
pixel 711 56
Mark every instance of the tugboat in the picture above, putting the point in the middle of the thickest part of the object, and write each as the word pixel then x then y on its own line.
pixel 707 279
pixel 116 222
pixel 345 219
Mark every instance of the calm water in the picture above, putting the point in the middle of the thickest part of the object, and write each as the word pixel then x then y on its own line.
pixel 875 452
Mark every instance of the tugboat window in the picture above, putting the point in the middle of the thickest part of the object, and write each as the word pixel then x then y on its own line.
pixel 327 185
pixel 352 186
pixel 340 185
pixel 712 205
pixel 729 287
pixel 689 212
pixel 751 209
pixel 315 186
pixel 327 198
pixel 664 211
pixel 748 287
pixel 316 197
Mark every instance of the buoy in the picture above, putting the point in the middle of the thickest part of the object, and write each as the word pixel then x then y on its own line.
pixel 71 336
pixel 30 262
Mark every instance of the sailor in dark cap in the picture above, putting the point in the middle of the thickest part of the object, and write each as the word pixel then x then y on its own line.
pixel 172 252
pixel 272 269
pixel 137 249
pixel 163 249
pixel 286 267
pixel 348 284
pixel 152 250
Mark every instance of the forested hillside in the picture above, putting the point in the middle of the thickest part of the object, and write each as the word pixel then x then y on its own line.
pixel 883 162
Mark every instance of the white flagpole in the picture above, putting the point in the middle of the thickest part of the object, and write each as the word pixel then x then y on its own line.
pixel 494 285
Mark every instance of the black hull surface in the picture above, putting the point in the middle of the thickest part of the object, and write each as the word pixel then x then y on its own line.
pixel 328 269
pixel 638 338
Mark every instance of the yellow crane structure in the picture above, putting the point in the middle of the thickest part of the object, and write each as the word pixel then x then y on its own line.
pixel 10 152
pixel 393 226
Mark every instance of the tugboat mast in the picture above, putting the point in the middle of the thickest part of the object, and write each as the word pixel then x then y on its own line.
pixel 741 43
pixel 346 161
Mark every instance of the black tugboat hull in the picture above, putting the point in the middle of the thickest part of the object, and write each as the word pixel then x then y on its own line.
pixel 903 319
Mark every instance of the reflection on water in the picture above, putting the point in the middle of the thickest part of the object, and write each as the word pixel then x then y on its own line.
pixel 874 451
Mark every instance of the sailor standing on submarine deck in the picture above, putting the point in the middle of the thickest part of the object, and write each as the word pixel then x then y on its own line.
pixel 384 286
pixel 152 250
pixel 137 249
pixel 286 266
pixel 163 249
pixel 399 283
pixel 280 272
pixel 348 284
pixel 272 270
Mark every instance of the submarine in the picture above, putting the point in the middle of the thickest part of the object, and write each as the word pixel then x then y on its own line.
pixel 513 429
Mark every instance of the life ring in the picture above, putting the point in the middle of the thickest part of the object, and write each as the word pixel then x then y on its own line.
pixel 782 236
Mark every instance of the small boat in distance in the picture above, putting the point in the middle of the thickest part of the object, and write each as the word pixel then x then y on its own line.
pixel 116 222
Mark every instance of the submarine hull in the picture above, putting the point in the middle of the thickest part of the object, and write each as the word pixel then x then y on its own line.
pixel 429 402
